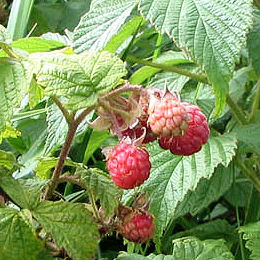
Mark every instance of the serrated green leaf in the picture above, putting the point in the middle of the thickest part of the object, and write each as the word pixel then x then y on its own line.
pixel 253 42
pixel 46 164
pixel 100 24
pixel 191 248
pixel 102 187
pixel 173 177
pixel 25 193
pixel 213 33
pixel 129 29
pixel 14 83
pixel 7 160
pixel 17 238
pixel 80 78
pixel 251 233
pixel 71 226
pixel 4 35
pixel 211 230
pixel 167 58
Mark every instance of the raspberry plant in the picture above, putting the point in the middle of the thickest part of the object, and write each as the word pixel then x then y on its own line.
pixel 136 130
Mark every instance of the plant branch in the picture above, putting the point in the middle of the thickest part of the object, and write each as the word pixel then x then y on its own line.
pixel 64 152
pixel 236 111
pixel 255 106
pixel 200 78
pixel 8 50
pixel 249 172
pixel 64 111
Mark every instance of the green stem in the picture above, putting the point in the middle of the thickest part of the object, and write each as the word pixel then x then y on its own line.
pixel 8 50
pixel 249 172
pixel 200 78
pixel 255 106
pixel 236 111
pixel 240 236
pixel 93 204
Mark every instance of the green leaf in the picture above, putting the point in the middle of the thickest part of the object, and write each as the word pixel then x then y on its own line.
pixel 96 139
pixel 7 160
pixel 191 248
pixel 81 78
pixel 253 42
pixel 213 33
pixel 9 131
pixel 216 229
pixel 167 58
pixel 102 187
pixel 100 24
pixel 46 164
pixel 4 35
pixel 129 29
pixel 36 44
pixel 14 83
pixel 25 193
pixel 173 177
pixel 17 238
pixel 71 226
pixel 36 94
pixel 252 237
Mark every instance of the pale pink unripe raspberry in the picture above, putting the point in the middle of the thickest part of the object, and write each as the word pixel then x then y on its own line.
pixel 128 165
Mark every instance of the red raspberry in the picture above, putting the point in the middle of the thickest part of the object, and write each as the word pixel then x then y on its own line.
pixel 168 116
pixel 128 165
pixel 196 135
pixel 137 227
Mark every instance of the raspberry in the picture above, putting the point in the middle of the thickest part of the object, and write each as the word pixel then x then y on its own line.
pixel 128 165
pixel 168 117
pixel 196 135
pixel 137 227
pixel 139 129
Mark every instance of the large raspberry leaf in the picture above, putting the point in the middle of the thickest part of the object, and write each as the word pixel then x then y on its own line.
pixel 17 237
pixel 80 78
pixel 174 178
pixel 212 32
pixel 71 226
pixel 101 23
pixel 251 233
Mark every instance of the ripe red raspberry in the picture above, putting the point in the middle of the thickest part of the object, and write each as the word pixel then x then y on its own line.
pixel 196 135
pixel 137 227
pixel 168 116
pixel 128 165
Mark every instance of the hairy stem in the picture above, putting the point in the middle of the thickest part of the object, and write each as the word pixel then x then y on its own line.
pixel 236 111
pixel 64 152
pixel 200 78
pixel 64 111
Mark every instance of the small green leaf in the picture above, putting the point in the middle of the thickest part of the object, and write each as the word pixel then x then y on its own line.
pixel 94 33
pixel 71 226
pixel 251 233
pixel 191 248
pixel 81 78
pixel 17 238
pixel 174 177
pixel 7 160
pixel 14 83
pixel 102 187
pixel 36 94
pixel 25 193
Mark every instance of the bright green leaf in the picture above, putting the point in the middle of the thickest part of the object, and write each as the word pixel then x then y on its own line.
pixel 17 238
pixel 81 78
pixel 71 226
pixel 213 33
pixel 102 187
pixel 173 177
pixel 251 233
pixel 36 94
pixel 7 160
pixel 100 24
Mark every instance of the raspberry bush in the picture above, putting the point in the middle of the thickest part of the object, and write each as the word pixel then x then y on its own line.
pixel 130 131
